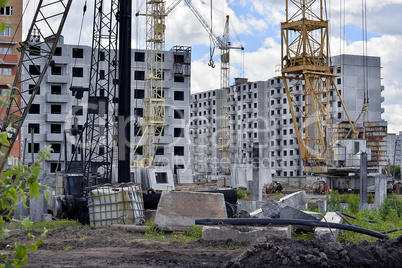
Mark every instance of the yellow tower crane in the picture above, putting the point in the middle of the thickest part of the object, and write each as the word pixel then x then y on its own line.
pixel 305 59
pixel 154 102
pixel 223 43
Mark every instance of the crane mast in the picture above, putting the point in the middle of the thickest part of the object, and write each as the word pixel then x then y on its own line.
pixel 154 102
pixel 224 139
pixel 100 123
pixel 224 45
pixel 48 21
pixel 305 59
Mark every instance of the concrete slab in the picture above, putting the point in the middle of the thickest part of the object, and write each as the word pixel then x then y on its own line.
pixel 271 208
pixel 316 215
pixel 178 210
pixel 243 233
pixel 295 214
pixel 327 234
pixel 248 206
pixel 296 200
pixel 257 214
pixel 160 178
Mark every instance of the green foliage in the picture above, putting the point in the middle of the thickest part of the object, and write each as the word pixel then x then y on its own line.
pixel 333 201
pixel 397 171
pixel 194 231
pixel 240 194
pixel 154 230
pixel 353 201
pixel 248 192
pixel 391 209
pixel 277 196
pixel 69 248
pixel 13 183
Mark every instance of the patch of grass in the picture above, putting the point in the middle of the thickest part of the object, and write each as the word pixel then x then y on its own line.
pixel 154 232
pixel 194 231
pixel 69 248
pixel 387 218
pixel 277 196
pixel 39 226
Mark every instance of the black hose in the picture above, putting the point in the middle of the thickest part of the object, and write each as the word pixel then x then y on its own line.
pixel 314 223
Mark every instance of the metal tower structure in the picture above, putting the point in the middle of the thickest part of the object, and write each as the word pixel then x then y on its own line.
pixel 305 58
pixel 48 22
pixel 224 139
pixel 100 123
pixel 154 102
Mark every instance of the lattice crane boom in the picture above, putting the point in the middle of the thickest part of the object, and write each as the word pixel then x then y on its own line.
pixel 305 59
pixel 154 102
pixel 48 21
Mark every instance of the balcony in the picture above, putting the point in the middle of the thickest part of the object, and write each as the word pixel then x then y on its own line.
pixel 57 98
pixel 54 137
pixel 61 59
pixel 60 79
pixel 54 118
pixel 165 139
pixel 277 106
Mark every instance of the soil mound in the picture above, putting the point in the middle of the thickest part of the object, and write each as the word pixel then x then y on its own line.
pixel 278 252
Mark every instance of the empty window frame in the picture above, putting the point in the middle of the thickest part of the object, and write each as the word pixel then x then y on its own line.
pixel 35 109
pixel 179 132
pixel 55 109
pixel 78 53
pixel 178 150
pixel 179 95
pixel 36 148
pixel 139 56
pixel 34 127
pixel 78 72
pixel 139 94
pixel 139 75
pixel 178 114
pixel 55 90
pixel 55 128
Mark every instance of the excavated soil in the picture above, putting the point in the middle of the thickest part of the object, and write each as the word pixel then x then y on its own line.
pixel 86 247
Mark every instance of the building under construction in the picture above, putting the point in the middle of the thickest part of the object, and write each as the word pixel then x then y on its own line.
pixel 260 113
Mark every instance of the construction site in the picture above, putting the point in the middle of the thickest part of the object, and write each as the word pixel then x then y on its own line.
pixel 291 170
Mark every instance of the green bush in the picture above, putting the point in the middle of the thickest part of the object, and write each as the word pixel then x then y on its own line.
pixel 391 208
pixel 240 194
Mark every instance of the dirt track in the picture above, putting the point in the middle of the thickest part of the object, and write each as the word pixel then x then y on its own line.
pixel 85 247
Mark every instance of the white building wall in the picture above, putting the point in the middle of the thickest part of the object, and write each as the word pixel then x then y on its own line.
pixel 47 117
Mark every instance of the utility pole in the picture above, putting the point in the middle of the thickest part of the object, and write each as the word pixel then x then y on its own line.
pixel 124 132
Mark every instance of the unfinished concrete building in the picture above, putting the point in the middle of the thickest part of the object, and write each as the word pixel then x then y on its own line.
pixel 55 110
pixel 260 115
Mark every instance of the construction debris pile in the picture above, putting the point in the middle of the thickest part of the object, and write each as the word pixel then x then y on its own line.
pixel 272 251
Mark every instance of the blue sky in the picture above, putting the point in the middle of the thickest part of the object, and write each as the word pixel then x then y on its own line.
pixel 257 22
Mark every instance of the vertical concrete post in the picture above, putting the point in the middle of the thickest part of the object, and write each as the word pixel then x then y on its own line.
pixel 21 211
pixel 363 181
pixel 256 183
pixel 380 190
pixel 37 208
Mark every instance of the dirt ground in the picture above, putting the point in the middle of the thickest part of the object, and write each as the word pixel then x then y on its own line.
pixel 86 247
